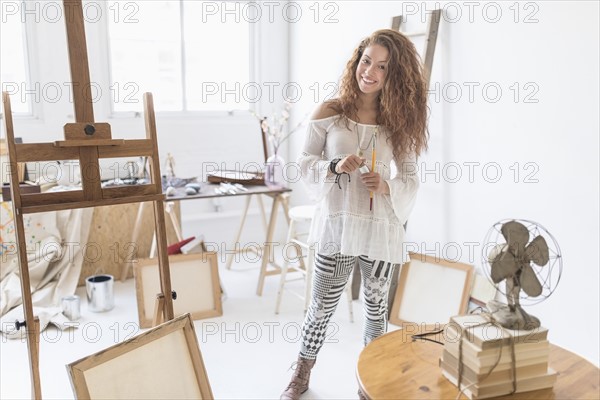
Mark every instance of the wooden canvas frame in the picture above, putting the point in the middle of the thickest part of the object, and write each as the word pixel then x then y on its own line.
pixel 196 280
pixel 162 363
pixel 483 290
pixel 436 291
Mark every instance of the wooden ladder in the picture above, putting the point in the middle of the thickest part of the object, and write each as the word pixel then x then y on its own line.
pixel 87 141
pixel 431 33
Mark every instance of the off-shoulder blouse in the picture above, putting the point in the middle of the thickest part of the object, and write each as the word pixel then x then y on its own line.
pixel 343 221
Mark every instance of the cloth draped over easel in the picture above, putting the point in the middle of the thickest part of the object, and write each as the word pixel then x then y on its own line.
pixel 56 242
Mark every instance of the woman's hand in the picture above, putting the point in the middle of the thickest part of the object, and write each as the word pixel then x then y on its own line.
pixel 349 164
pixel 374 183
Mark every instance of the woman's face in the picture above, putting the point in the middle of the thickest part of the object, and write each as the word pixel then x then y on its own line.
pixel 372 69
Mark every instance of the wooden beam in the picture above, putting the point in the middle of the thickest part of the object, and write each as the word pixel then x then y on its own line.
pixel 89 142
pixel 397 23
pixel 86 204
pixel 129 191
pixel 90 173
pixel 78 61
pixel 150 123
pixel 30 321
pixel 30 152
pixel 432 33
pixel 51 198
pixel 159 207
pixel 163 258
pixel 129 148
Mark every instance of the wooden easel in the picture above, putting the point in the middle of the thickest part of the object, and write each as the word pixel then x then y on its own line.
pixel 86 141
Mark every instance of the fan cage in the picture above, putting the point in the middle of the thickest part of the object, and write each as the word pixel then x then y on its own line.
pixel 548 275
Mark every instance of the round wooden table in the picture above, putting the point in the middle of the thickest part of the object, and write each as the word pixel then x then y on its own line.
pixel 394 367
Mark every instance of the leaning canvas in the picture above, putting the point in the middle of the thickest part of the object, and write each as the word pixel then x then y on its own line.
pixel 430 291
pixel 195 279
pixel 162 363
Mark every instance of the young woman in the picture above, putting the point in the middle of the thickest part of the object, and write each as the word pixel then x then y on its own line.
pixel 379 119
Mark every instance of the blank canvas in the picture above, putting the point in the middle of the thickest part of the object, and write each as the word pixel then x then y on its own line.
pixel 431 290
pixel 195 279
pixel 162 363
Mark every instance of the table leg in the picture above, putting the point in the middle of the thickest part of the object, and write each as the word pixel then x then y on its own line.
pixel 268 246
pixel 239 232
pixel 262 211
pixel 285 203
pixel 170 209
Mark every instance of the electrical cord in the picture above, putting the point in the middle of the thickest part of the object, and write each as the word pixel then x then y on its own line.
pixel 423 336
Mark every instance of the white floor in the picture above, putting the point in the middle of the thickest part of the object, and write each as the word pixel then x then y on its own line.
pixel 247 352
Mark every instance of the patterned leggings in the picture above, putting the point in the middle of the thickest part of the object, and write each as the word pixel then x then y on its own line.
pixel 329 280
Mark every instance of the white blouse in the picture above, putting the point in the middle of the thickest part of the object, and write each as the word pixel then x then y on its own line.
pixel 343 221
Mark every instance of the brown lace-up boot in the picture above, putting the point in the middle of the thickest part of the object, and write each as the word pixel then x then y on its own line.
pixel 299 382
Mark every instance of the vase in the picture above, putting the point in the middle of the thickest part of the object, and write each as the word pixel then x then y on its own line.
pixel 274 177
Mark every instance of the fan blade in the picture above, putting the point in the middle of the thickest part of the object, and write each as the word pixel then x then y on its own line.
pixel 529 282
pixel 537 251
pixel 496 251
pixel 517 236
pixel 504 266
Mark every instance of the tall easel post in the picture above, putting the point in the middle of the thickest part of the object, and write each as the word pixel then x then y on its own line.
pixel 31 324
pixel 82 101
pixel 159 209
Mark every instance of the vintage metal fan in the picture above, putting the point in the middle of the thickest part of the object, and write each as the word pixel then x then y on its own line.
pixel 529 263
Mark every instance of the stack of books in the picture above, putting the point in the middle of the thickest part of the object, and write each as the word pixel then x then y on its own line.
pixel 487 361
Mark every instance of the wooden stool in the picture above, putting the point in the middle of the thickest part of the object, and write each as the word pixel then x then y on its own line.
pixel 302 214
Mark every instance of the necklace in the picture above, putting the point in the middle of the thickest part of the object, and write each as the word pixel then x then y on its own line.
pixel 359 149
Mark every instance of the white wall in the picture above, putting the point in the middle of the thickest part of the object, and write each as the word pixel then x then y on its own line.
pixel 557 58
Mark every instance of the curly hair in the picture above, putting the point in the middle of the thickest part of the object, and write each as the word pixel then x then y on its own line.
pixel 403 99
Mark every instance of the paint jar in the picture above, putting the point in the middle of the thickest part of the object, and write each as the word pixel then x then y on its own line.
pixel 71 307
pixel 99 290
